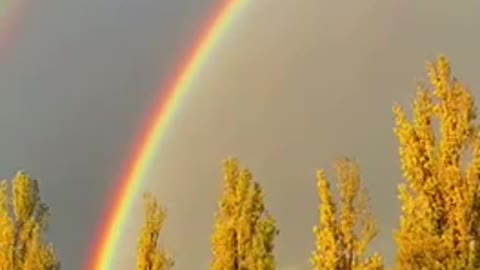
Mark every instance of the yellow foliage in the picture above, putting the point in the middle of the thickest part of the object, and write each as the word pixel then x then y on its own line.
pixel 149 255
pixel 23 220
pixel 244 232
pixel 440 205
pixel 345 228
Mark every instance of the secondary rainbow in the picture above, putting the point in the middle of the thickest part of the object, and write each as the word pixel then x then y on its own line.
pixel 102 252
pixel 11 13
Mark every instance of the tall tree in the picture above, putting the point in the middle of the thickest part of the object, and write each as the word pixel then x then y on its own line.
pixel 244 232
pixel 346 227
pixel 149 255
pixel 440 161
pixel 23 221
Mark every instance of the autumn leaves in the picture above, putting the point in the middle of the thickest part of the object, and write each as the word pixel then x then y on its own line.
pixel 149 255
pixel 244 231
pixel 345 227
pixel 439 226
pixel 23 220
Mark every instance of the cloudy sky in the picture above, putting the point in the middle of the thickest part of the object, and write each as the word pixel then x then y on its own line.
pixel 292 86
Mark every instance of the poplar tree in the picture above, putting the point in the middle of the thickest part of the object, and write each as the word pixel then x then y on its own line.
pixel 149 255
pixel 346 227
pixel 23 222
pixel 244 232
pixel 440 161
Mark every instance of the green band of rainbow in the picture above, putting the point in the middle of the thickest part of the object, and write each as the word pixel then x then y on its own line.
pixel 120 203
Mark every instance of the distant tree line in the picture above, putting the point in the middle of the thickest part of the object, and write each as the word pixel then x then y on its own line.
pixel 439 150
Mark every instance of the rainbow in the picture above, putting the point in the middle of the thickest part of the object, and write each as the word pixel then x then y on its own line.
pixel 118 207
pixel 10 13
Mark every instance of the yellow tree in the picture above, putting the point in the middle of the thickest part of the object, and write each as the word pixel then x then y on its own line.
pixel 149 255
pixel 23 221
pixel 440 162
pixel 346 227
pixel 244 232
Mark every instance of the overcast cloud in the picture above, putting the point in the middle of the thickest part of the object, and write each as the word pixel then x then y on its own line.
pixel 292 86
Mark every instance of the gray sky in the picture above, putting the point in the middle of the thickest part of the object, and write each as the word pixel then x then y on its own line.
pixel 292 86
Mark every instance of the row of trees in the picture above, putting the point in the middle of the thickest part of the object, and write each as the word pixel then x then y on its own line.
pixel 440 213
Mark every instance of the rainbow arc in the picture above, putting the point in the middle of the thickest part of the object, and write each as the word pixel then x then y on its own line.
pixel 121 200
